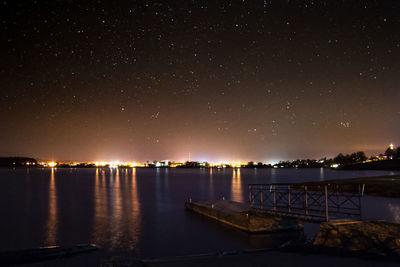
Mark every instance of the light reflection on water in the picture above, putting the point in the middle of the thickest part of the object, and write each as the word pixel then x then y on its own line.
pixel 237 192
pixel 117 209
pixel 273 176
pixel 381 208
pixel 51 229
pixel 395 211
pixel 134 222
pixel 100 207
pixel 141 210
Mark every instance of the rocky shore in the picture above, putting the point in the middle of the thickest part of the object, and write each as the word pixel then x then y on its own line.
pixel 366 237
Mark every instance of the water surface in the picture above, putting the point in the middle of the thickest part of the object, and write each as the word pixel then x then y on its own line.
pixel 141 211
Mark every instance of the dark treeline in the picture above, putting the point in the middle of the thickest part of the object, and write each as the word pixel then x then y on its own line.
pixel 305 163
pixel 17 162
pixel 196 164
pixel 391 153
pixel 355 158
pixel 80 165
pixel 340 159
pixel 252 164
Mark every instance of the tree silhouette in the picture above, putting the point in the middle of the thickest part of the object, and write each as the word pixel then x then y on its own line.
pixel 356 157
pixel 391 152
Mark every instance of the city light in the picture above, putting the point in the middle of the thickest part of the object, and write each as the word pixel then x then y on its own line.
pixel 236 164
pixel 114 164
pixel 321 163
pixel 52 164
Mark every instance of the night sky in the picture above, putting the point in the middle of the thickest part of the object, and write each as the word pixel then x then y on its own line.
pixel 221 80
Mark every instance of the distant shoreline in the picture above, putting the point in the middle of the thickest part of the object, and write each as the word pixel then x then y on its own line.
pixel 380 186
pixel 344 168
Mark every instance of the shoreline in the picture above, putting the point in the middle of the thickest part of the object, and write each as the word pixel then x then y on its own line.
pixel 379 186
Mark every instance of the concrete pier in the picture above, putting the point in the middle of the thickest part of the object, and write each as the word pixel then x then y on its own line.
pixel 239 215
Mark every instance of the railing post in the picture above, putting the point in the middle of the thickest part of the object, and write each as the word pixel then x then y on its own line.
pixel 250 195
pixel 289 198
pixel 360 194
pixel 326 203
pixel 306 208
pixel 274 197
pixel 306 197
pixel 359 206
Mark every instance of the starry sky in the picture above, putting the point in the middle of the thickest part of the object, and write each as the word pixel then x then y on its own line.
pixel 221 80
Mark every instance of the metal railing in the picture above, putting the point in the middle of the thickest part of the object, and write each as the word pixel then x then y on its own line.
pixel 308 202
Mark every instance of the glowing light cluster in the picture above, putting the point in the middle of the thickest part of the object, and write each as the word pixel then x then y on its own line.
pixel 52 164
pixel 157 164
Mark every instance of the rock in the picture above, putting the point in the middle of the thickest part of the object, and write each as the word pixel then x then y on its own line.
pixel 377 237
pixel 359 243
pixel 392 244
pixel 333 239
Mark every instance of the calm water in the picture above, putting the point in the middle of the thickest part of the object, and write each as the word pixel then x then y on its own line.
pixel 141 211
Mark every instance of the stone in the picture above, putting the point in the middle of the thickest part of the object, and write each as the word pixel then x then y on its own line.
pixel 378 237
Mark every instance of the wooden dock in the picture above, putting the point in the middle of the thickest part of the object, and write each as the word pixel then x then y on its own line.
pixel 239 215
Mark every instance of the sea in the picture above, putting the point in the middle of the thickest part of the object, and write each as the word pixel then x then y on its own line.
pixel 140 211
